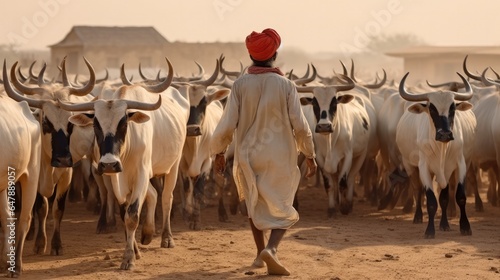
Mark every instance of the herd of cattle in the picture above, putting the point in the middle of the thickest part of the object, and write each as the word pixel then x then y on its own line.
pixel 137 141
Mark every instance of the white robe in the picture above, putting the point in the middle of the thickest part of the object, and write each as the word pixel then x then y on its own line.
pixel 265 116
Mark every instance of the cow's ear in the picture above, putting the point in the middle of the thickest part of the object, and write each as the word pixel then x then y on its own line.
pixel 82 119
pixel 417 108
pixel 306 100
pixel 138 117
pixel 345 98
pixel 218 95
pixel 463 106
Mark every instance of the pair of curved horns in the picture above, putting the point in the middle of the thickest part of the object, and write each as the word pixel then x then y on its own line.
pixel 212 78
pixel 306 79
pixel 85 89
pixel 350 85
pixel 12 93
pixel 425 96
pixel 131 104
pixel 488 82
pixel 161 87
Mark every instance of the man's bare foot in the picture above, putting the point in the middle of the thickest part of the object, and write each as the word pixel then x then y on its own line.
pixel 274 267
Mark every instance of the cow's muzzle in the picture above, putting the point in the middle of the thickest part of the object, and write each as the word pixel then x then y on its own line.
pixel 444 136
pixel 324 128
pixel 193 130
pixel 61 161
pixel 109 167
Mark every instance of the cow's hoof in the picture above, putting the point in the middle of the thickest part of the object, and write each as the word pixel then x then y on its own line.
pixel 56 251
pixel 40 247
pixel 331 212
pixel 466 231
pixel 167 243
pixel 194 225
pixel 223 217
pixel 127 266
pixel 146 238
pixel 128 260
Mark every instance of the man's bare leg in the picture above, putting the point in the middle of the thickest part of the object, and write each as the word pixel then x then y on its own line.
pixel 258 237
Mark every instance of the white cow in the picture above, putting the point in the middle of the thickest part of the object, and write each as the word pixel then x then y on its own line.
pixel 371 104
pixel 486 153
pixel 342 131
pixel 204 115
pixel 125 141
pixel 391 171
pixel 435 139
pixel 21 147
pixel 56 158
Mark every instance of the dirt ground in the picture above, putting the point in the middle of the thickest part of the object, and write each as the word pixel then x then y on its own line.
pixel 367 244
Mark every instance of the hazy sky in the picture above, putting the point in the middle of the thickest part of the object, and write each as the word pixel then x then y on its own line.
pixel 311 25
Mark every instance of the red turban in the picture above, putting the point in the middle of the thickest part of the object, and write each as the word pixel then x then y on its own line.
pixel 262 46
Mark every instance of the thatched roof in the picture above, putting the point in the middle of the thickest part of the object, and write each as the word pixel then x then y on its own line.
pixel 112 36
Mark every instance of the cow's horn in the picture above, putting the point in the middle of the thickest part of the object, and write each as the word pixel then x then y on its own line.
pixel 142 105
pixel 36 103
pixel 90 84
pixel 161 87
pixel 409 96
pixel 468 90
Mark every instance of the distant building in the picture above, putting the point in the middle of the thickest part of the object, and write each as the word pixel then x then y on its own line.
pixel 440 64
pixel 110 47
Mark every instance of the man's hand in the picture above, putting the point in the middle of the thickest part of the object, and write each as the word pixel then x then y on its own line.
pixel 311 167
pixel 220 164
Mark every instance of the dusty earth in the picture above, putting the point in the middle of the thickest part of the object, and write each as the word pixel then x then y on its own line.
pixel 367 244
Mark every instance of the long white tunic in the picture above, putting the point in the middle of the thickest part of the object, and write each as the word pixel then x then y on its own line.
pixel 265 116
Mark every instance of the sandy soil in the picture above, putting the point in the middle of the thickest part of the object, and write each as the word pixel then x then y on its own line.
pixel 367 244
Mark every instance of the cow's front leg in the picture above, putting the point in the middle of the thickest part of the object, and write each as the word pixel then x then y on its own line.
pixel 148 229
pixel 461 201
pixel 58 210
pixel 345 194
pixel 198 197
pixel 443 202
pixel 131 216
pixel 131 220
pixel 42 211
pixel 167 240
pixel 430 232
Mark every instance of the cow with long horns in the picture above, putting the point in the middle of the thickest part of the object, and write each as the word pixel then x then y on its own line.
pixel 204 115
pixel 58 151
pixel 128 128
pixel 435 136
pixel 341 133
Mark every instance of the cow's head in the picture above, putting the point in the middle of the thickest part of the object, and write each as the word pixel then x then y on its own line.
pixel 110 120
pixel 440 106
pixel 55 125
pixel 325 103
pixel 199 99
